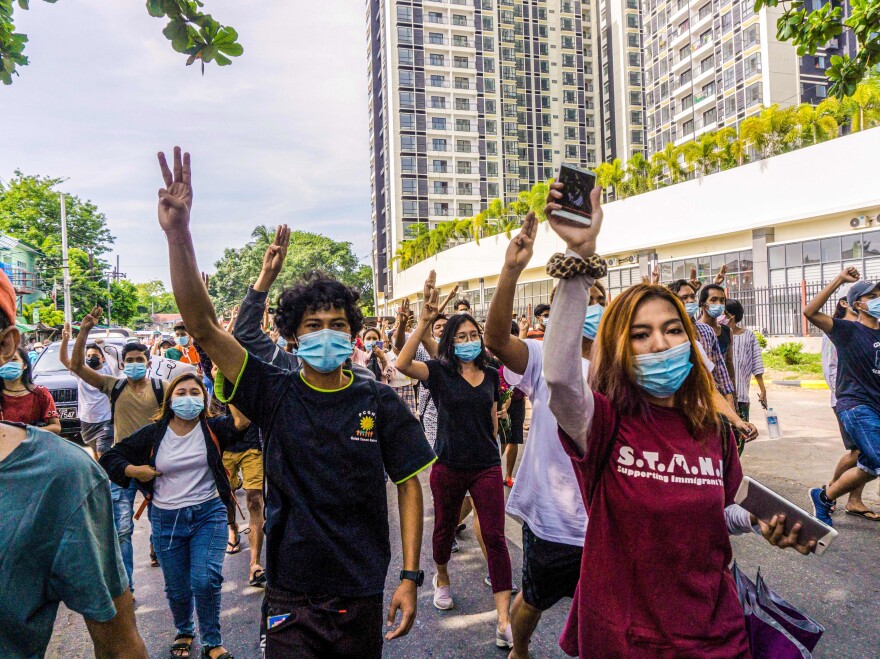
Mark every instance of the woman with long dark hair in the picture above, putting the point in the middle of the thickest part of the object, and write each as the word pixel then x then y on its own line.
pixel 656 472
pixel 178 462
pixel 24 401
pixel 466 391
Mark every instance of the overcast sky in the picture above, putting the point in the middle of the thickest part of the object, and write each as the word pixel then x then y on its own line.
pixel 281 135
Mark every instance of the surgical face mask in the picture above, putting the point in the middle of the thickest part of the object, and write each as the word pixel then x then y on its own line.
pixel 187 407
pixel 661 374
pixel 135 370
pixel 94 362
pixel 183 340
pixel 325 350
pixel 873 307
pixel 715 310
pixel 368 345
pixel 281 342
pixel 11 371
pixel 591 323
pixel 692 308
pixel 542 320
pixel 468 352
pixel 724 320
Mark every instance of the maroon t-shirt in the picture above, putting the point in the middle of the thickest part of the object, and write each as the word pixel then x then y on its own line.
pixel 654 574
pixel 32 408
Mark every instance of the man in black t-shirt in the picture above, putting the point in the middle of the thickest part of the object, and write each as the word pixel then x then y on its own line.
pixel 858 382
pixel 330 438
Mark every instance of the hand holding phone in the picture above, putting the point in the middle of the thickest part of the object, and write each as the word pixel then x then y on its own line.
pixel 575 201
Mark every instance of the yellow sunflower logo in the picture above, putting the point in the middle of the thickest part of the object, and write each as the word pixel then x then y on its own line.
pixel 367 423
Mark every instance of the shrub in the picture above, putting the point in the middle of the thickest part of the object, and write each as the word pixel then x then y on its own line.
pixel 762 340
pixel 791 352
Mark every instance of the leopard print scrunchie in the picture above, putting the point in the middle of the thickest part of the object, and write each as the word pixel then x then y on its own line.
pixel 561 266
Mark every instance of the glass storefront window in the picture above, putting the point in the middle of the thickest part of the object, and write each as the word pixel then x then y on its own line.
pixel 871 241
pixel 793 254
pixel 852 246
pixel 830 249
pixel 776 257
pixel 812 252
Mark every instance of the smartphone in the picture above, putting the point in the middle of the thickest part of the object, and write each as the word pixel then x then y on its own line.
pixel 380 345
pixel 764 503
pixel 575 202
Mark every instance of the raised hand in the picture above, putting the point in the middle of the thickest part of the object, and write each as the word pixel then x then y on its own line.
pixel 694 281
pixel 91 319
pixel 207 279
pixel 175 199
pixel 403 312
pixel 523 324
pixel 430 283
pixel 722 273
pixel 850 275
pixel 580 238
pixel 273 260
pixel 522 247
pixel 655 275
pixel 65 333
pixel 430 308
pixel 449 297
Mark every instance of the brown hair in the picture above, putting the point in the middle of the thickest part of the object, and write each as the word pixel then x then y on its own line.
pixel 165 412
pixel 613 362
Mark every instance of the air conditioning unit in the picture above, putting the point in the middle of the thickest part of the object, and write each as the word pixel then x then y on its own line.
pixel 861 222
pixel 612 262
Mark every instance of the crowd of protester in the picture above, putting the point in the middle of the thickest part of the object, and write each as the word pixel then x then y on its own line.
pixel 315 414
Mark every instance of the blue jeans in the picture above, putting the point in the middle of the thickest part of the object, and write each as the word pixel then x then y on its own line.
pixel 123 512
pixel 190 544
pixel 863 425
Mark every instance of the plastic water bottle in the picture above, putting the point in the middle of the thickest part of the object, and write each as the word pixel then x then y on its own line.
pixel 772 423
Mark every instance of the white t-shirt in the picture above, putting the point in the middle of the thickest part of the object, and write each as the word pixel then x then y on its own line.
pixel 186 478
pixel 93 404
pixel 545 493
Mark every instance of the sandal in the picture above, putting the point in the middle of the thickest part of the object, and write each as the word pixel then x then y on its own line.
pixel 154 560
pixel 206 652
pixel 177 649
pixel 234 547
pixel 869 515
pixel 258 579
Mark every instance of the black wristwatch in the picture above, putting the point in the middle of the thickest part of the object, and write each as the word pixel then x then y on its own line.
pixel 418 577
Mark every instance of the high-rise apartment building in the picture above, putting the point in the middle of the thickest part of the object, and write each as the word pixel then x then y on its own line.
pixel 473 100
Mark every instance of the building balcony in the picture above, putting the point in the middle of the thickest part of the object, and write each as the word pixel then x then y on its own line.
pixel 23 281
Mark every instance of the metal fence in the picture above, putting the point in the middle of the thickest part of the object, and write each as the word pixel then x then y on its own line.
pixel 778 310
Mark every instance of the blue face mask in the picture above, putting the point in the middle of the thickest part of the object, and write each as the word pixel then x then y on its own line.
pixel 187 407
pixel 661 374
pixel 11 371
pixel 325 350
pixel 281 342
pixel 183 340
pixel 715 310
pixel 468 352
pixel 135 370
pixel 874 307
pixel 368 345
pixel 692 308
pixel 591 324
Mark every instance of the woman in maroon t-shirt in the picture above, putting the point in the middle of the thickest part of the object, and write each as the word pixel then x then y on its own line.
pixel 24 401
pixel 655 472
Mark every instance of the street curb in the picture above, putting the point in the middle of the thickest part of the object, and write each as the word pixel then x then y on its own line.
pixel 803 384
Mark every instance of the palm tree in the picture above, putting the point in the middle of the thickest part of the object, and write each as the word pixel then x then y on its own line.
pixel 816 123
pixel 463 228
pixel 263 234
pixel 611 175
pixel 754 131
pixel 701 154
pixel 732 149
pixel 668 158
pixel 637 174
pixel 864 104
pixel 481 222
pixel 506 225
pixel 537 199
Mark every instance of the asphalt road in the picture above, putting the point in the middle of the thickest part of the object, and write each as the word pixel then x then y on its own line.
pixel 840 589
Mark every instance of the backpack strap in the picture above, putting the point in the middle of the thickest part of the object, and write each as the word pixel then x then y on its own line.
pixel 158 390
pixel 603 462
pixel 115 394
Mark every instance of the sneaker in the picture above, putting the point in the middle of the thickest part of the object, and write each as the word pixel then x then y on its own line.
pixel 442 596
pixel 822 507
pixel 509 481
pixel 455 547
pixel 504 639
pixel 488 582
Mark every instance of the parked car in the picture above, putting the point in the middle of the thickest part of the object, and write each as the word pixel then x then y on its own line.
pixel 51 373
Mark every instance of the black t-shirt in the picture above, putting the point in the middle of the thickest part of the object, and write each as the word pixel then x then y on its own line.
pixel 858 364
pixel 247 439
pixel 465 429
pixel 724 339
pixel 326 456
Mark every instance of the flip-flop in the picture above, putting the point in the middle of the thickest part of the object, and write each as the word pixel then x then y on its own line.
pixel 869 515
pixel 233 548
pixel 259 579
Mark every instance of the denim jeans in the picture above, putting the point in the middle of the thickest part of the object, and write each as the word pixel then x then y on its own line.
pixel 190 543
pixel 863 425
pixel 123 511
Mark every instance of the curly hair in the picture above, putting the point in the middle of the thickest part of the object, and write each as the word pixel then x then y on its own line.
pixel 317 291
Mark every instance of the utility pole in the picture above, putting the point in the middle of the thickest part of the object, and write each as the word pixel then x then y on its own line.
pixel 68 312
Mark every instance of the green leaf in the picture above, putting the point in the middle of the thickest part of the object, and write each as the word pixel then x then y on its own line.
pixel 155 8
pixel 222 60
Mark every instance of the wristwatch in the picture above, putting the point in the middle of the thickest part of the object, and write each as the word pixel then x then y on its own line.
pixel 418 577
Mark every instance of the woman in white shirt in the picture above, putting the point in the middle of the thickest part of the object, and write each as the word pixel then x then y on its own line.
pixel 178 461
